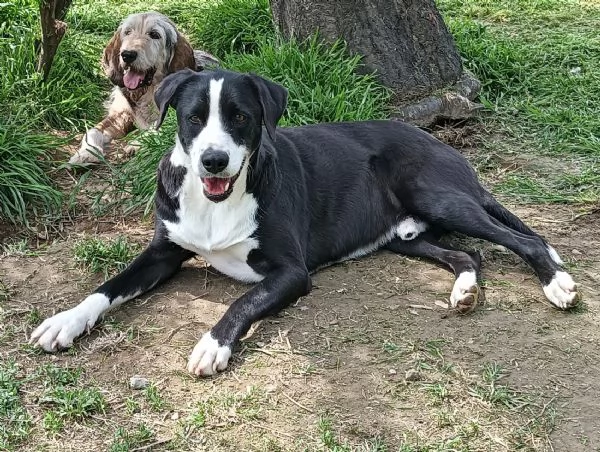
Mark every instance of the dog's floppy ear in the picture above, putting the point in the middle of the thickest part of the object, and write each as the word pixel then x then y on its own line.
pixel 182 56
pixel 110 59
pixel 273 100
pixel 163 96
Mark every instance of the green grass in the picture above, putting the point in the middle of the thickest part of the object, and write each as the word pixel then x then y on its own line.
pixel 153 397
pixel 331 443
pixel 126 440
pixel 15 421
pixel 106 256
pixel 233 26
pixel 538 62
pixel 31 108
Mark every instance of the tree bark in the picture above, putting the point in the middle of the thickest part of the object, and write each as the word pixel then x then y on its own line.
pixel 52 13
pixel 405 42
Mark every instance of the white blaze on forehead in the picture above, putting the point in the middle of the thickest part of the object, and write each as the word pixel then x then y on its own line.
pixel 214 136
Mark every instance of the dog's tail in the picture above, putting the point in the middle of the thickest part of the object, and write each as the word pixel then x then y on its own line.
pixel 503 215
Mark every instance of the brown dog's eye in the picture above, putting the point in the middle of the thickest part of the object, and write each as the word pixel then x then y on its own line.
pixel 154 34
pixel 241 118
pixel 195 119
pixel 127 32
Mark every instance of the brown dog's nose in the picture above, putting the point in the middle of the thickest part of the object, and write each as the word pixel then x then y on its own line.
pixel 129 56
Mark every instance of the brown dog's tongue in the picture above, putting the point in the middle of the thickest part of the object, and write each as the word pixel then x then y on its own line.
pixel 133 79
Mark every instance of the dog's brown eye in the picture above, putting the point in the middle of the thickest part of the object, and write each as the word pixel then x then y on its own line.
pixel 240 117
pixel 154 34
pixel 127 32
pixel 195 119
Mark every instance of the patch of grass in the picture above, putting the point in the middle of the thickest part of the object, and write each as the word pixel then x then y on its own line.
pixel 54 375
pixel 53 422
pixel 71 93
pixel 104 256
pixel 4 292
pixel 126 440
pixel 329 442
pixel 562 188
pixel 225 407
pixel 153 397
pixel 15 421
pixel 495 393
pixel 31 107
pixel 18 248
pixel 322 80
pixel 66 399
pixel 233 26
pixel 26 187
pixel 538 62
pixel 132 406
pixel 74 402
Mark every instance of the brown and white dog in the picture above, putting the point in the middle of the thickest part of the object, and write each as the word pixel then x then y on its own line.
pixel 145 49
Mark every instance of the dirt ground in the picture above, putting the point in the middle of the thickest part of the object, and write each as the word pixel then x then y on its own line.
pixel 329 373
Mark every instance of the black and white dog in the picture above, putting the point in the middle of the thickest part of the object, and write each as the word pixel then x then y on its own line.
pixel 271 206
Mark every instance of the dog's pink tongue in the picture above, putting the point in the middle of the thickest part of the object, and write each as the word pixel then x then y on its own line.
pixel 216 185
pixel 133 79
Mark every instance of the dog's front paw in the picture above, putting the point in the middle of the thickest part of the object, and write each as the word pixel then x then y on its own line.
pixel 562 291
pixel 91 149
pixel 208 356
pixel 59 331
pixel 465 292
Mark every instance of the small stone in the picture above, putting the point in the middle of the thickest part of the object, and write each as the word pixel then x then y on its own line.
pixel 137 382
pixel 260 344
pixel 577 252
pixel 333 322
pixel 412 375
pixel 175 416
pixel 392 372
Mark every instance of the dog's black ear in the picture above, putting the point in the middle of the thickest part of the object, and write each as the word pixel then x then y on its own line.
pixel 273 100
pixel 165 93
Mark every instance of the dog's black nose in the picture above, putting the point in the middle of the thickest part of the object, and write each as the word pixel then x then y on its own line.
pixel 129 56
pixel 215 161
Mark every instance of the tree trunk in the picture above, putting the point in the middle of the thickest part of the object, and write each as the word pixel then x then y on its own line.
pixel 405 41
pixel 52 13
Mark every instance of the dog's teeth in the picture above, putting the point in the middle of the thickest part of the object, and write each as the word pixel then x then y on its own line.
pixel 227 186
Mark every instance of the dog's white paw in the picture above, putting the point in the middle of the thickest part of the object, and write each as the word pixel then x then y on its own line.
pixel 562 291
pixel 59 331
pixel 91 149
pixel 208 357
pixel 465 292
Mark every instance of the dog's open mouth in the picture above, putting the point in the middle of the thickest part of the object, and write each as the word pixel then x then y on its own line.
pixel 134 79
pixel 218 189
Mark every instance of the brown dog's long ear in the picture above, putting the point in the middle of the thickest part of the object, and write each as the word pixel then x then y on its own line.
pixel 110 59
pixel 273 100
pixel 164 96
pixel 182 56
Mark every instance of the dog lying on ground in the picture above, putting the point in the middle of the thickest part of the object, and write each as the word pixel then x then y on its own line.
pixel 145 48
pixel 270 206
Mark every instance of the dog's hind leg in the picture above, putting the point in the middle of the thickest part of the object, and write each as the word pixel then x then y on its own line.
pixel 507 218
pixel 466 216
pixel 157 263
pixel 466 266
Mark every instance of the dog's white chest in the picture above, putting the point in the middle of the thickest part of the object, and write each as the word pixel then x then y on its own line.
pixel 219 232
